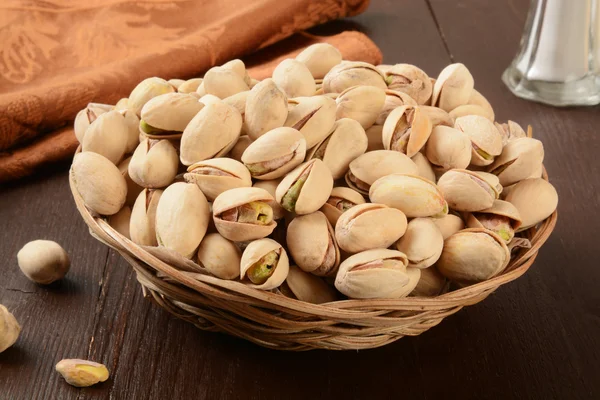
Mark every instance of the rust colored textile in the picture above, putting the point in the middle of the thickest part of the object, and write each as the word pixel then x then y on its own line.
pixel 56 56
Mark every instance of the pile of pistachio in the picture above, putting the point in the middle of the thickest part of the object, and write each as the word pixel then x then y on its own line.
pixel 377 181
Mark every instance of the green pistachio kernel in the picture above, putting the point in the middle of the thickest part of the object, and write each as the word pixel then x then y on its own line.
pixel 264 268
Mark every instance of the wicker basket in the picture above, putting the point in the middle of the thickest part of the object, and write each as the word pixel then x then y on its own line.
pixel 275 321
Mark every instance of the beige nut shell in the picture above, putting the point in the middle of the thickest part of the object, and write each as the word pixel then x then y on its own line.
pixel 424 167
pixel 536 199
pixel 294 78
pixel 360 103
pixel 171 111
pixel 154 164
pixel 449 225
pixel 308 287
pixel 316 189
pixel 254 252
pixel 453 87
pixel 266 109
pixel 415 82
pixel 522 158
pixel 313 117
pixel 393 100
pixel 431 283
pixel 108 136
pixel 319 58
pixel 214 185
pixel 219 256
pixel 420 127
pixel 331 212
pixel 448 148
pixel 142 224
pixel 422 243
pixel 352 73
pixel 484 134
pixel 464 191
pixel 373 165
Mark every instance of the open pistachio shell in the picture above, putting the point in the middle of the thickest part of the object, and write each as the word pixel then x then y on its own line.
pixel 340 201
pixel 536 199
pixel 142 225
pixel 271 187
pixel 453 87
pixel 313 117
pixel 360 103
pixel 294 78
pixel 239 147
pixel 146 90
pixel 86 116
pixel 466 190
pixel 431 283
pixel 346 142
pixel 374 137
pixel 108 136
pixel 243 214
pixel 367 168
pixel 485 138
pixel 411 80
pixel 473 255
pixel 406 130
pixel 510 131
pixel 219 256
pixel 169 113
pixel 275 153
pixel 154 164
pixel 477 99
pixel 266 109
pixel 448 148
pixel 319 58
pixel 189 86
pixel 307 287
pixel 305 189
pixel 411 194
pixel 437 116
pixel 223 82
pixel 425 169
pixel 369 226
pixel 520 158
pixel 502 218
pixel 352 73
pixel 217 175
pixel 492 179
pixel 264 264
pixel 422 243
pixel 449 225
pixel 393 100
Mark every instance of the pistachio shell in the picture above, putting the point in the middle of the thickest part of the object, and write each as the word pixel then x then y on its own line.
pixel 219 256
pixel 406 129
pixel 448 148
pixel 121 105
pixel 85 117
pixel 133 128
pixel 453 87
pixel 510 131
pixel 217 175
pixel 146 90
pixel 520 158
pixel 108 136
pixel 239 68
pixel 414 276
pixel 308 287
pixel 142 225
pixel 294 78
pixel 319 58
pixel 209 99
pixel 425 169
pixel 190 86
pixel 201 91
pixel 313 117
pixel 470 109
pixel 120 221
pixel 309 196
pixel 431 283
pixel 133 189
pixel 238 101
pixel 393 100
pixel 176 82
pixel 340 200
pixel 437 116
pixel 485 138
pixel 466 190
pixel 422 243
pixel 501 218
pixel 170 112
pixel 266 109
pixel 271 187
pixel 369 226
pixel 449 225
pixel 411 80
pixel 253 254
pixel 239 147
pixel 536 199
pixel 361 103
pixel 352 73
pixel 374 137
pixel 9 327
pixel 477 99
pixel 154 164
pixel 223 82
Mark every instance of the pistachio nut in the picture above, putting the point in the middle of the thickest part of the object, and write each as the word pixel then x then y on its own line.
pixel 469 109
pixel 266 109
pixel 320 58
pixel 264 264
pixel 485 138
pixel 239 68
pixel 108 136
pixel 360 103
pixel 452 88
pixel 133 127
pixel 520 158
pixel 120 221
pixel 217 175
pixel 275 153
pixel 437 116
pixel 189 86
pixel 200 92
pixel 369 226
pixel 175 82
pixel 492 179
pixel 431 283
pixel 223 82
pixel 510 131
pixel 169 114
pixel 239 147
pixel 294 78
pixel 449 224
pixel 154 164
pixel 379 273
pixel 406 130
pixel 352 73
pixel 368 167
pixel 133 189
pixel 209 99
pixel 86 116
pixel 311 242
pixel 473 255
pixel 424 167
pixel 535 199
pixel 411 80
pixel 211 133
pixel 384 68
pixel 182 218
pixel 122 105
pixel 467 190
pixel 313 117
pixel 393 100
pixel 219 256
pixel 538 172
pixel 99 182
pixel 341 200
pixel 448 148
pixel 9 329
pixel 305 189
pixel 502 218
pixel 346 141
pixel 477 99
pixel 43 262
pixel 307 287
pixel 271 187
pixel 146 90
pixel 82 373
pixel 422 243
pixel 238 101
pixel 253 82
pixel 142 224
pixel 374 138
pixel 243 214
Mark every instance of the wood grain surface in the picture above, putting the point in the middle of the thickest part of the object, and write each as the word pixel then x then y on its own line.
pixel 536 338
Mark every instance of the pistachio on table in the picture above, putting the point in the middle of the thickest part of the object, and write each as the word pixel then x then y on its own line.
pixel 341 200
pixel 305 189
pixel 9 329
pixel 218 175
pixel 264 264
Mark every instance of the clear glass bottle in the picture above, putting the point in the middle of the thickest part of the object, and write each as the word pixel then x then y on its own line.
pixel 559 59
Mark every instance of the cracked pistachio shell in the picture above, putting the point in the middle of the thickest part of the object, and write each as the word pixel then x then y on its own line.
pixel 411 194
pixel 294 78
pixel 406 130
pixel 266 109
pixel 535 199
pixel 393 100
pixel 364 276
pixel 271 187
pixel 211 133
pixel 466 190
pixel 352 73
pixel 431 283
pixel 319 58
pixel 239 147
pixel 169 113
pixel 368 167
pixel 437 116
pixel 360 103
pixel 241 231
pixel 217 175
pixel 425 169
pixel 453 87
pixel 307 287
pixel 253 254
pixel 190 86
pixel 384 68
pixel 146 90
pixel 86 116
pixel 473 255
pixel 275 153
pixel 485 138
pixel 99 182
pixel 142 224
pixel 108 136
pixel 374 138
pixel 369 226
pixel 422 243
pixel 448 148
pixel 223 82
pixel 219 256
pixel 133 189
pixel 346 142
pixel 9 329
pixel 502 218
pixel 154 164
pixel 312 245
pixel 510 131
pixel 340 200
pixel 449 225
pixel 477 99
pixel 120 221
pixel 411 80
pixel 182 218
pixel 305 189
pixel 313 117
pixel 520 158
pixel 239 68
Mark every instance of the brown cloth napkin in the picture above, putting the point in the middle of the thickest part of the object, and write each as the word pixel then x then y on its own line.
pixel 55 57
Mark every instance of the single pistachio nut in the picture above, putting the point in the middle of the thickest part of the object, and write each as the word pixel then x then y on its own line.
pixel 154 164
pixel 320 58
pixel 271 187
pixel 467 190
pixel 485 138
pixel 122 104
pixel 189 86
pixel 86 116
pixel 393 100
pixel 431 283
pixel 448 148
pixel 217 175
pixel 360 103
pixel 82 373
pixel 294 78
pixel 313 117
pixel 449 225
pixel 43 261
pixel 146 90
pixel 108 136
pixel 535 199
pixel 305 189
pixel 510 131
pixel 9 329
pixel 352 73
pixel 209 99
pixel 437 116
pixel 182 218
pixel 133 128
pixel 239 68
pixel 341 200
pixel 264 264
pixel 502 218
pixel 142 225
pixel 223 82
pixel 169 114
pixel 176 82
pixel 219 256
pixel 266 109
pixel 307 287
pixel 121 220
pixel 406 129
pixel 422 243
pixel 425 169
pixel 368 167
pixel 452 88
pixel 411 80
pixel 133 189
pixel 369 226
pixel 244 214
pixel 238 101
pixel 374 138
pixel 538 172
pixel 477 99
pixel 99 182
pixel 239 147
pixel 520 158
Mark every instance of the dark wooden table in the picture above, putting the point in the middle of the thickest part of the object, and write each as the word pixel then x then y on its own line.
pixel 536 338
